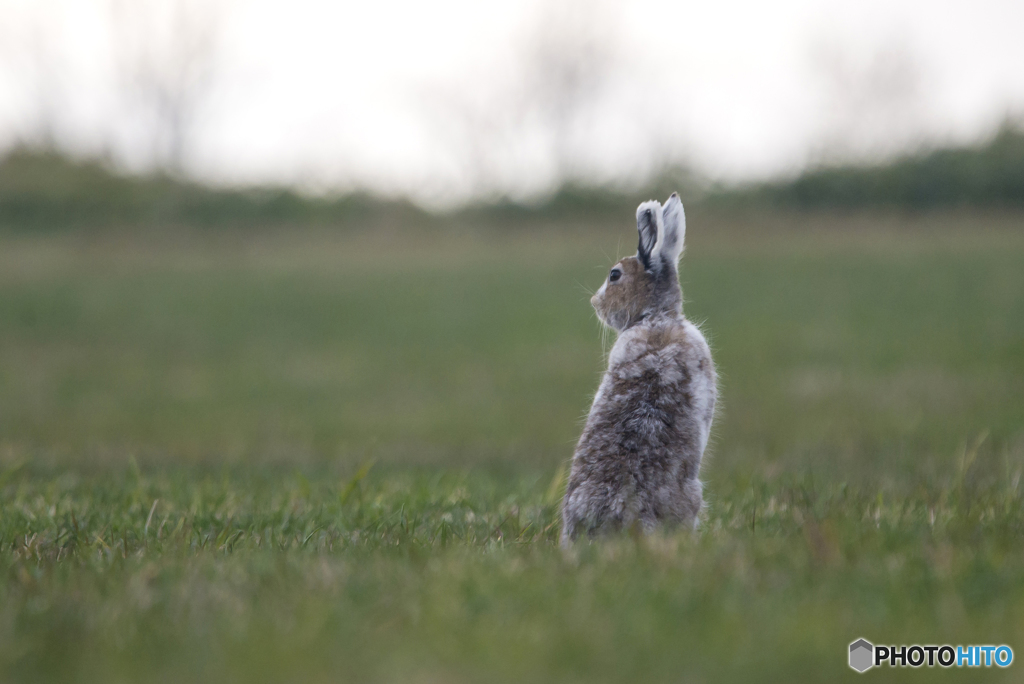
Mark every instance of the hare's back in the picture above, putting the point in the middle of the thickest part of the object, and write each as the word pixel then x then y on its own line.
pixel 663 372
pixel 694 356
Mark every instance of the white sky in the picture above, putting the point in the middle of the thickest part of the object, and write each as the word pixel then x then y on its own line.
pixel 333 93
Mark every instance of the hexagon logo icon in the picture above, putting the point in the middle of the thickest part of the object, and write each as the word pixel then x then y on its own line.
pixel 862 654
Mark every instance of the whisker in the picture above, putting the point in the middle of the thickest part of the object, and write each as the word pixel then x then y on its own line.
pixel 605 333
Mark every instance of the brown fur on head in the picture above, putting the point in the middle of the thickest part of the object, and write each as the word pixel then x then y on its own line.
pixel 648 283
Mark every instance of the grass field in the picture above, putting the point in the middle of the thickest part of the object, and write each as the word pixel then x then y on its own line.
pixel 313 456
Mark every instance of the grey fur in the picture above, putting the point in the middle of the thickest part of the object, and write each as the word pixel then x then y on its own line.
pixel 637 463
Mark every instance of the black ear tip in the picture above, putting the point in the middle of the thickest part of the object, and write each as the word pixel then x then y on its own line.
pixel 674 194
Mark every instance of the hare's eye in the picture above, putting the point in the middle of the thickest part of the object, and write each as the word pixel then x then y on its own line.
pixel 614 275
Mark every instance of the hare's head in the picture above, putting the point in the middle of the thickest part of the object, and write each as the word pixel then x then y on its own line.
pixel 648 283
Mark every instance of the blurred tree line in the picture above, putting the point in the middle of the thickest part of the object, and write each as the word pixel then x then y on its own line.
pixel 46 189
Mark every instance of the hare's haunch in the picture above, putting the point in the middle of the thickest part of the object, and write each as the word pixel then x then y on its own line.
pixel 637 463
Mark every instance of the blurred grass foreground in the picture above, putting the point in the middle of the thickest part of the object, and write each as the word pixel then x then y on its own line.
pixel 256 437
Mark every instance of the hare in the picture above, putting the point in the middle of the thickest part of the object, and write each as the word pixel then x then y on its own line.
pixel 638 460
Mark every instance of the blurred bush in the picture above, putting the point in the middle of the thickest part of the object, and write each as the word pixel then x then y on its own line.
pixel 987 175
pixel 46 190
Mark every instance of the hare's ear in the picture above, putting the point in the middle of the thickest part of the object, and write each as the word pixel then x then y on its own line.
pixel 648 224
pixel 673 233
